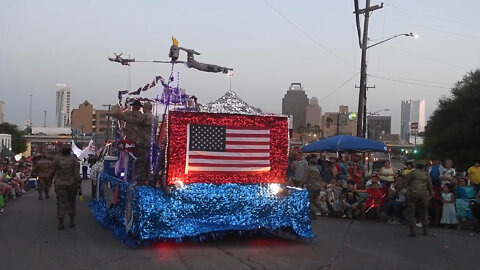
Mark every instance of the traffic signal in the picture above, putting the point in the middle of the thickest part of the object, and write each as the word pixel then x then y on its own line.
pixel 415 151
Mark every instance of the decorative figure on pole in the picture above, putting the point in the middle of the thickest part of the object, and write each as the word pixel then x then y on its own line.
pixel 191 62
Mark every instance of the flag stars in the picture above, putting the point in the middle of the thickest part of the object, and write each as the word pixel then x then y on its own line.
pixel 207 138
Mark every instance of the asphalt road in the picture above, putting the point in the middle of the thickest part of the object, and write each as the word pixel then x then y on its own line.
pixel 29 239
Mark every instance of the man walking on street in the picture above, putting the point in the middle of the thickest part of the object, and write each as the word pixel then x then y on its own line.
pixel 66 173
pixel 419 192
pixel 43 169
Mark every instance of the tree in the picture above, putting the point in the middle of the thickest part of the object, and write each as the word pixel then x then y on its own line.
pixel 19 144
pixel 453 129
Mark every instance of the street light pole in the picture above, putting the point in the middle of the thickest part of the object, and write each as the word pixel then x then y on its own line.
pixel 362 95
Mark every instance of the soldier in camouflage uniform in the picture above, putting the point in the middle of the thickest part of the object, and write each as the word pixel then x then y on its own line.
pixel 138 129
pixel 142 153
pixel 419 192
pixel 66 173
pixel 131 130
pixel 42 167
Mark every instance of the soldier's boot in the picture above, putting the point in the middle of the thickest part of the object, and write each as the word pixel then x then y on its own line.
pixel 60 224
pixel 412 231
pixel 72 221
pixel 47 196
pixel 39 195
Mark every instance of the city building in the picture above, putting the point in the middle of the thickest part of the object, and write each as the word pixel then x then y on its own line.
pixel 6 141
pixel 412 111
pixel 294 104
pixel 87 120
pixel 62 112
pixel 378 127
pixel 314 112
pixel 342 122
pixel 2 109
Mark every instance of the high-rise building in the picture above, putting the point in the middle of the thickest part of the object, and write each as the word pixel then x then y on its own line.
pixel 62 112
pixel 314 112
pixel 87 120
pixel 342 122
pixel 412 111
pixel 2 108
pixel 295 103
pixel 378 127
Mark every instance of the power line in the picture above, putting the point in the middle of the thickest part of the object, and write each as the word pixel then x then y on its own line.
pixel 432 16
pixel 308 35
pixel 428 58
pixel 335 90
pixel 436 29
pixel 407 82
pixel 409 79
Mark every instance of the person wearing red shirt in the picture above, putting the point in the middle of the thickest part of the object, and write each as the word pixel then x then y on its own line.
pixel 356 173
pixel 375 199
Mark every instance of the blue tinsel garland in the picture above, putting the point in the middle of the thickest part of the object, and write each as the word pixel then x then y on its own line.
pixel 202 211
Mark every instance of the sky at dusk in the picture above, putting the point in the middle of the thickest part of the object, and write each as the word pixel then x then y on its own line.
pixel 269 44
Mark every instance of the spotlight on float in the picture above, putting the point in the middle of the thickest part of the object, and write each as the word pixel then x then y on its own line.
pixel 122 174
pixel 275 189
pixel 179 184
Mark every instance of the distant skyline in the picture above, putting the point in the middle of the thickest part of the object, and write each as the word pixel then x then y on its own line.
pixel 270 44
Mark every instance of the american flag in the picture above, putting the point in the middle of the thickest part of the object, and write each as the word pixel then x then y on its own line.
pixel 215 148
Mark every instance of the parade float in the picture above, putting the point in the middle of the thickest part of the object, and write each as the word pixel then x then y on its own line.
pixel 215 169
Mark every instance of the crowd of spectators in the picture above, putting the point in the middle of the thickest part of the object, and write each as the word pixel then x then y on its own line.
pixel 14 176
pixel 349 189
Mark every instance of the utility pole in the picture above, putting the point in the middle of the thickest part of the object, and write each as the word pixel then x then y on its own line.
pixel 30 113
pixel 362 95
pixel 364 116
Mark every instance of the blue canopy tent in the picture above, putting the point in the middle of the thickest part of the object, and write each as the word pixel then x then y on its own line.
pixel 345 143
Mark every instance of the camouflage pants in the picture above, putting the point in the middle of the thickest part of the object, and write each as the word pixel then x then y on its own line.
pixel 66 200
pixel 44 185
pixel 416 209
pixel 142 162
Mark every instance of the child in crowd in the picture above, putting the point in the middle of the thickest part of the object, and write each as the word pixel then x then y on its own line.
pixel 375 199
pixel 322 200
pixel 351 203
pixel 449 215
pixel 334 191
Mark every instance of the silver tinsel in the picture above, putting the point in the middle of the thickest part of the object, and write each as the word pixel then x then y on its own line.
pixel 230 103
